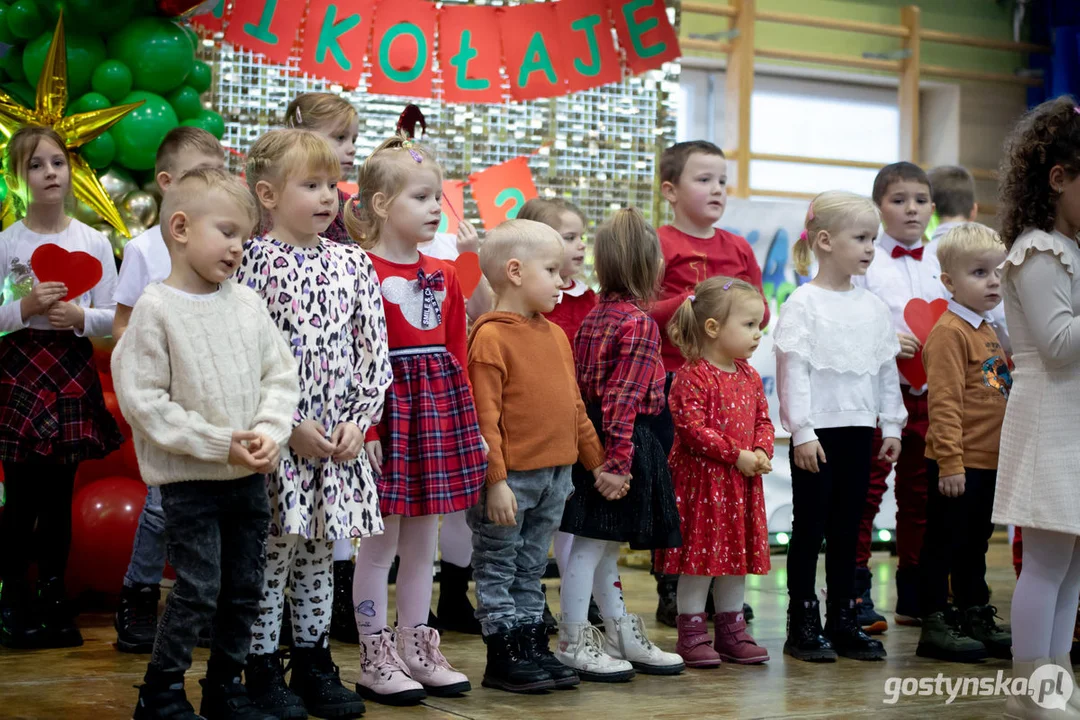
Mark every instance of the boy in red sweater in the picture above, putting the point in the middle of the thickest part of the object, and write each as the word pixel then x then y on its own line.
pixel 693 179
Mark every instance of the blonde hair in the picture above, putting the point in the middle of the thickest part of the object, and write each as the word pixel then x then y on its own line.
pixel 281 154
pixel 711 299
pixel 17 156
pixel 965 240
pixel 520 239
pixel 550 211
pixel 385 171
pixel 190 192
pixel 627 256
pixel 325 111
pixel 183 139
pixel 831 211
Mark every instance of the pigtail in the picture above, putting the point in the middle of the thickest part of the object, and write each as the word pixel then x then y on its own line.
pixel 684 332
pixel 802 255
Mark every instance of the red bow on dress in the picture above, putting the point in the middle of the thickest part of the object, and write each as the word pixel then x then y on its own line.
pixel 429 284
pixel 900 251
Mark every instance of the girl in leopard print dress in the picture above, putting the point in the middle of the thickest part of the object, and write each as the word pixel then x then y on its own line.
pixel 325 298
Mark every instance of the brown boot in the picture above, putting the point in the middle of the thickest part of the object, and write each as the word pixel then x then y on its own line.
pixel 733 643
pixel 694 645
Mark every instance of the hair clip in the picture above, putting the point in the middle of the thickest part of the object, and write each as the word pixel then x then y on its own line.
pixel 299 117
pixel 357 205
pixel 408 145
pixel 810 213
pixel 727 286
pixel 691 298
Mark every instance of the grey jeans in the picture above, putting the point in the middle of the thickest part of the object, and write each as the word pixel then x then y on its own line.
pixel 508 562
pixel 148 550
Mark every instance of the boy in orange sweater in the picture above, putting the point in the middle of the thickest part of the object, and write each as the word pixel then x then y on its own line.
pixel 533 419
pixel 969 381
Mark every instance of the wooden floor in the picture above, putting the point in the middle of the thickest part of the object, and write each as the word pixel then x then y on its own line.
pixel 95 681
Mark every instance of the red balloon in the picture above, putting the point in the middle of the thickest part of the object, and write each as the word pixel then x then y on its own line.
pixel 114 407
pixel 104 516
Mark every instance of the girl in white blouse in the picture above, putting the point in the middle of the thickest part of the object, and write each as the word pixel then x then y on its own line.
pixel 837 380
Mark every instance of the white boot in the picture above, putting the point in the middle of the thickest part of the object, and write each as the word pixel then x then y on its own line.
pixel 580 648
pixel 383 676
pixel 625 639
pixel 1065 661
pixel 1024 707
pixel 419 646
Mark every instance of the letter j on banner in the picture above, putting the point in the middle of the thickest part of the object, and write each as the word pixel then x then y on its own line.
pixel 500 191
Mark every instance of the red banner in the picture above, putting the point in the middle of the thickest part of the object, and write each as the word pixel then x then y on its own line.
pixel 645 33
pixel 266 26
pixel 403 47
pixel 469 54
pixel 336 36
pixel 453 205
pixel 587 45
pixel 500 191
pixel 214 21
pixel 534 61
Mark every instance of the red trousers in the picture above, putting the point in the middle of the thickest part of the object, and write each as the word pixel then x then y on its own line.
pixel 910 487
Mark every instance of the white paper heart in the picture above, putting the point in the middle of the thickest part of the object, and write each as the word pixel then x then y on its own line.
pixel 408 296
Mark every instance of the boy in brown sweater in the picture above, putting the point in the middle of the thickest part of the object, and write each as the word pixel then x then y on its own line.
pixel 969 381
pixel 533 419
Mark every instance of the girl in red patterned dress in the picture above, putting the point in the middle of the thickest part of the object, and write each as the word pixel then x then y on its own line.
pixel 428 450
pixel 723 443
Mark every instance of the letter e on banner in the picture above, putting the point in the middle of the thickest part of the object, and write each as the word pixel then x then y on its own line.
pixel 500 191
pixel 266 26
pixel 534 60
pixel 645 33
pixel 403 47
pixel 469 53
pixel 336 38
pixel 587 45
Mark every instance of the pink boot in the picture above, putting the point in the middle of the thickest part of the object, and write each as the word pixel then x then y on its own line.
pixel 733 643
pixel 694 645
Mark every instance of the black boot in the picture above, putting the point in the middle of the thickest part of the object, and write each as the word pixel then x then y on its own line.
pixel 550 622
pixel 342 619
pixel 19 626
pixel 534 641
pixel 136 618
pixel 224 697
pixel 455 611
pixel 747 611
pixel 57 618
pixel 805 640
pixel 315 679
pixel 666 608
pixel 907 597
pixel 849 640
pixel 509 667
pixel 266 687
pixel 164 700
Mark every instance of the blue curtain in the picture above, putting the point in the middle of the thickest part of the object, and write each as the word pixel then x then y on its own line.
pixel 1056 23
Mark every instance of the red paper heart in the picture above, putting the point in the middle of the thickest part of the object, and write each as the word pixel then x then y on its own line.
pixel 468 272
pixel 78 270
pixel 920 316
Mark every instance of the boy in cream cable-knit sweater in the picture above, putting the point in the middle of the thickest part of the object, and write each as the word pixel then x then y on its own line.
pixel 209 387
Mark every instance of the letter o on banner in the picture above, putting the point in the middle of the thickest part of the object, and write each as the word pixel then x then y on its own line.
pixel 404 38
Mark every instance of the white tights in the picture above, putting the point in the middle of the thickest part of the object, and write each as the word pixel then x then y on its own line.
pixel 413 539
pixel 562 543
pixel 1045 599
pixel 729 593
pixel 592 569
pixel 455 540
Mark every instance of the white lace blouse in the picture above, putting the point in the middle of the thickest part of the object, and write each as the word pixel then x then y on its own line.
pixel 836 363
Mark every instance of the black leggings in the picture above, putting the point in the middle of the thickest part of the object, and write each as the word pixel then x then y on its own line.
pixel 37 495
pixel 829 505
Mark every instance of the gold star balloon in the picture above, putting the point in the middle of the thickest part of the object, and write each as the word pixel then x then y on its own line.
pixel 75 131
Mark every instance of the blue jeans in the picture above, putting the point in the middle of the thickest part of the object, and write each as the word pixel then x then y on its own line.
pixel 508 562
pixel 148 551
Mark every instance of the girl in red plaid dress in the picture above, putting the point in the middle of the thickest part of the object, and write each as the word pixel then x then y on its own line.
pixel 52 413
pixel 428 450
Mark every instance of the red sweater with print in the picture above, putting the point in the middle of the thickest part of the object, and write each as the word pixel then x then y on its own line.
pixel 575 302
pixel 689 260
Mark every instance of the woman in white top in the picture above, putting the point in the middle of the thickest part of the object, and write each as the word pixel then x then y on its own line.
pixel 837 380
pixel 1038 485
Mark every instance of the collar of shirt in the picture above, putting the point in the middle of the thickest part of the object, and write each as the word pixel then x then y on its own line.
pixel 576 289
pixel 972 318
pixel 940 230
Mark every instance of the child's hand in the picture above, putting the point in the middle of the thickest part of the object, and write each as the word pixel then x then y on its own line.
pixel 909 345
pixel 764 466
pixel 265 452
pixel 501 504
pixel 487 448
pixel 374 455
pixel 808 455
pixel 348 442
pixel 747 463
pixel 467 239
pixel 41 298
pixel 952 485
pixel 66 316
pixel 239 452
pixel 308 440
pixel 890 450
pixel 613 487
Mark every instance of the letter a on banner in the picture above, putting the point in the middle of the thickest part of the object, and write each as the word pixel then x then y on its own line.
pixel 336 37
pixel 500 191
pixel 534 60
pixel 645 33
pixel 469 53
pixel 266 26
pixel 402 49
pixel 589 51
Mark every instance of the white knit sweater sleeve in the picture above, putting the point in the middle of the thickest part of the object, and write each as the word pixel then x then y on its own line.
pixel 142 376
pixel 279 389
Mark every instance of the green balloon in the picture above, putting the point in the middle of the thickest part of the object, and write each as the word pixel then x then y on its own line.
pixel 98 16
pixel 112 79
pixel 88 102
pixel 141 131
pixel 100 151
pixel 158 51
pixel 84 53
pixel 201 76
pixel 25 19
pixel 21 92
pixel 3 189
pixel 6 36
pixel 185 101
pixel 209 121
pixel 13 64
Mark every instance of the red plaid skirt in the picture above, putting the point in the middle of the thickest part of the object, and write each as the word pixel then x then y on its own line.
pixel 50 399
pixel 434 461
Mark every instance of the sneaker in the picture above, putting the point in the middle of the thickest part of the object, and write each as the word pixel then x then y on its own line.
pixel 871 621
pixel 695 645
pixel 980 623
pixel 942 640
pixel 510 668
pixel 534 645
pixel 58 626
pixel 266 687
pixel 847 638
pixel 136 618
pixel 342 619
pixel 227 699
pixel 667 610
pixel 316 680
pixel 419 648
pixel 625 639
pixel 19 626
pixel 383 675
pixel 168 703
pixel 550 621
pixel 455 611
pixel 733 643
pixel 581 648
pixel 805 639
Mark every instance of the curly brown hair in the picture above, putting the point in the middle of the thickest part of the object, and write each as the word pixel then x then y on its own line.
pixel 1046 136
